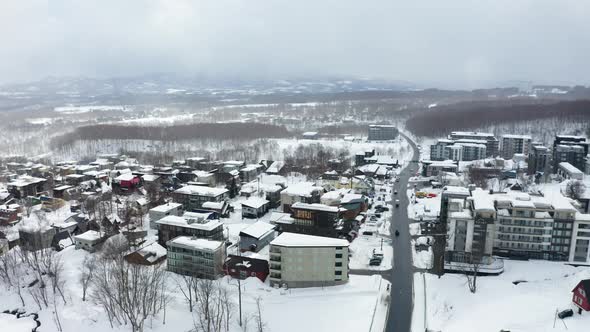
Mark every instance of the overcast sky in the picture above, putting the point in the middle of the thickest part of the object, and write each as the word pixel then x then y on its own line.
pixel 463 43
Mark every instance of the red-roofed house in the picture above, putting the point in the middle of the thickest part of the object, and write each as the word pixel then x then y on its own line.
pixel 581 297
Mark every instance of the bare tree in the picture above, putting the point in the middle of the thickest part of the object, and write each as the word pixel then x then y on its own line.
pixel 260 323
pixel 210 315
pixel 188 286
pixel 10 272
pixel 129 293
pixel 86 274
pixel 471 272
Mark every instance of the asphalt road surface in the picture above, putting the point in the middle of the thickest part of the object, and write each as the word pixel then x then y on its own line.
pixel 400 310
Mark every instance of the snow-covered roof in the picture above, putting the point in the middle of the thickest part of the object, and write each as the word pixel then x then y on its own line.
pixel 152 252
pixel 517 136
pixel 213 205
pixel 305 189
pixel 201 191
pixel 195 243
pixel 25 180
pixel 303 240
pixel 166 207
pixel 456 190
pixel 206 224
pixel 150 177
pixel 582 217
pixel 88 236
pixel 350 198
pixel 255 202
pixel 571 169
pixel 482 201
pixel 314 206
pixel 280 217
pixel 125 177
pixel 258 229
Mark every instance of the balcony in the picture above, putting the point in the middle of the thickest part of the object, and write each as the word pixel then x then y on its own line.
pixel 275 258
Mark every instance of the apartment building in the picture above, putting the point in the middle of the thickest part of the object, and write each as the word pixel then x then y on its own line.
pixel 571 149
pixel 382 133
pixel 298 260
pixel 192 256
pixel 538 159
pixel 192 197
pixel 437 150
pixel 491 141
pixel 199 225
pixel 515 144
pixel 580 248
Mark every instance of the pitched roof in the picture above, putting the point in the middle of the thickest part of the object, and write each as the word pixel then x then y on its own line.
pixel 585 285
pixel 258 229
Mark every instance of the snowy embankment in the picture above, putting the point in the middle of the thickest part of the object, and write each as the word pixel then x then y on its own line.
pixel 530 306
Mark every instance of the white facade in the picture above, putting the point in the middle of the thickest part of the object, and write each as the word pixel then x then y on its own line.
pixel 161 211
pixel 298 260
pixel 515 144
pixel 580 246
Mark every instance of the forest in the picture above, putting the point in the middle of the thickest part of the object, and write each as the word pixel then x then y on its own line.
pixel 477 115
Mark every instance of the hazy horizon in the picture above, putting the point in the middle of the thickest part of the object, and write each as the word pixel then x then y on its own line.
pixel 458 44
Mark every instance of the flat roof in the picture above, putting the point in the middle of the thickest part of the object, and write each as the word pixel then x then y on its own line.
pixel 195 243
pixel 201 191
pixel 166 207
pixel 258 229
pixel 303 240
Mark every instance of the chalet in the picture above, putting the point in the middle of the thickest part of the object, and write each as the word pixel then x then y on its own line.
pixel 193 197
pixel 161 211
pixel 275 167
pixel 151 254
pixel 581 296
pixel 222 209
pixel 250 172
pixel 313 219
pixel 88 241
pixel 25 186
pixel 9 214
pixel 302 192
pixel 256 236
pixel 241 267
pixel 127 181
pixel 199 225
pixel 254 207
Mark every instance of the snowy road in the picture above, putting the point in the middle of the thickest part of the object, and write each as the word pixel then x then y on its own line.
pixel 400 311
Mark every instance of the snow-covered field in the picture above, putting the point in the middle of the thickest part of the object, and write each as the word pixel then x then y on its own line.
pixel 498 304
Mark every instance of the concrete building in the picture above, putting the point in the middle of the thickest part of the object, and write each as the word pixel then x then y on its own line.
pixel 382 133
pixel 434 168
pixel 568 171
pixel 492 143
pixel 192 256
pixel 304 192
pixel 580 246
pixel 298 260
pixel 572 149
pixel 472 151
pixel 254 207
pixel 256 236
pixel 515 144
pixel 538 159
pixel 161 211
pixel 437 150
pixel 192 197
pixel 453 152
pixel 198 225
pixel 88 241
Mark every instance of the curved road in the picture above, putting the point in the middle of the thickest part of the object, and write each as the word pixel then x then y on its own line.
pixel 400 308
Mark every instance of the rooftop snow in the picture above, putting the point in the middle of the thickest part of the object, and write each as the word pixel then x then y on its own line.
pixel 207 224
pixel 314 206
pixel 194 243
pixel 88 236
pixel 166 207
pixel 258 229
pixel 571 169
pixel 302 240
pixel 482 201
pixel 305 189
pixel 201 191
pixel 255 202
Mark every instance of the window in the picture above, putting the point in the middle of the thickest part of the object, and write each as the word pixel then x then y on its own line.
pixel 338 273
pixel 338 255
pixel 338 264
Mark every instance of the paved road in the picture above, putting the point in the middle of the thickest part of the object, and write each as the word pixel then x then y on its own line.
pixel 400 310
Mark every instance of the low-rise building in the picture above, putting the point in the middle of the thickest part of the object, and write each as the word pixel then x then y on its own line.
pixel 568 171
pixel 161 211
pixel 303 192
pixel 151 254
pixel 88 240
pixel 196 257
pixel 382 133
pixel 192 197
pixel 314 219
pixel 198 225
pixel 242 267
pixel 298 260
pixel 254 207
pixel 256 236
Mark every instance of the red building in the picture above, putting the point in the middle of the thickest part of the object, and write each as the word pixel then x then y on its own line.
pixel 241 267
pixel 581 297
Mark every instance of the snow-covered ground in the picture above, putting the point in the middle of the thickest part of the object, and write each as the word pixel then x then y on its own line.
pixel 498 304
pixel 422 259
pixel 362 250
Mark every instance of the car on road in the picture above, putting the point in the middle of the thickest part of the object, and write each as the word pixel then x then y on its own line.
pixel 397 203
pixel 395 192
pixel 397 180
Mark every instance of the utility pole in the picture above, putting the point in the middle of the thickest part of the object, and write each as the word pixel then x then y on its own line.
pixel 239 266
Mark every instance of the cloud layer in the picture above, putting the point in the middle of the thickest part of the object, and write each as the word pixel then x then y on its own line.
pixel 460 43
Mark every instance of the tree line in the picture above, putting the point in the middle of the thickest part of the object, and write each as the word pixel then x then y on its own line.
pixel 441 120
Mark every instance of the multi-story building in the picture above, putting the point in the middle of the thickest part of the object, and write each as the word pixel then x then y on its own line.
pixel 198 225
pixel 568 171
pixel 315 219
pixel 472 151
pixel 298 260
pixel 304 192
pixel 192 256
pixel 382 133
pixel 580 247
pixel 192 197
pixel 573 154
pixel 453 152
pixel 572 149
pixel 564 215
pixel 437 151
pixel 515 144
pixel 491 141
pixel 161 211
pixel 538 159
